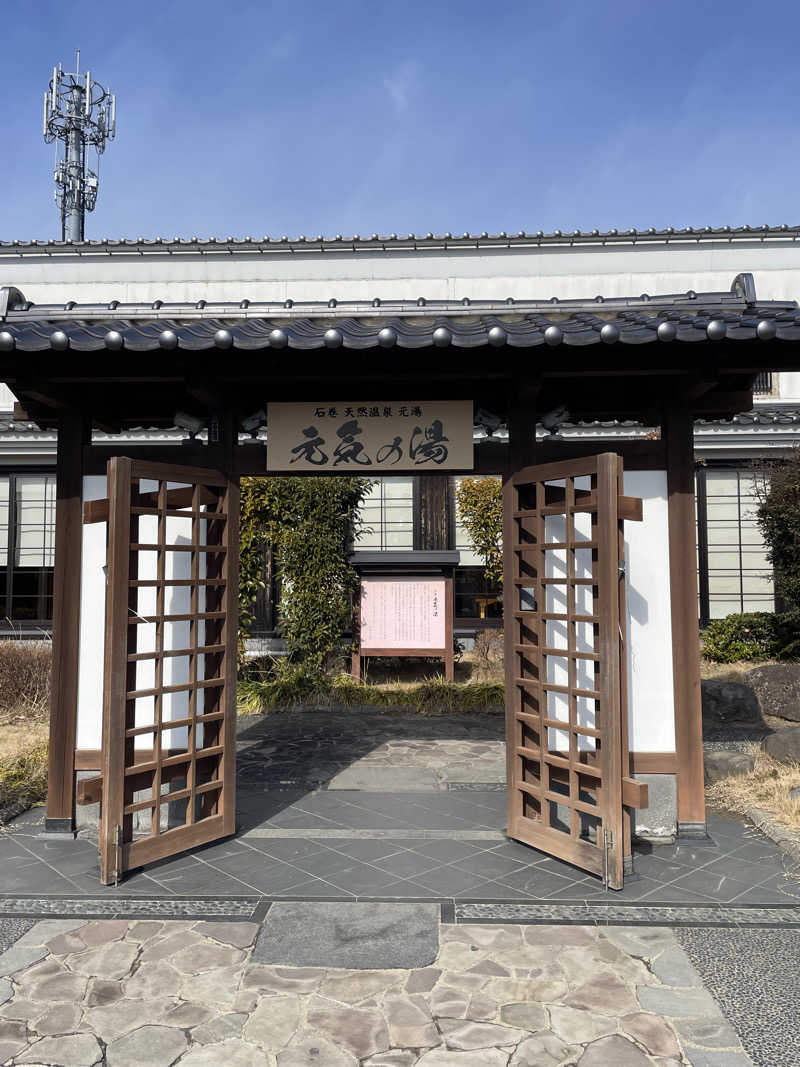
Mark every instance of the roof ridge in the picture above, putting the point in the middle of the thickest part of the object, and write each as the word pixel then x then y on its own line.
pixel 420 242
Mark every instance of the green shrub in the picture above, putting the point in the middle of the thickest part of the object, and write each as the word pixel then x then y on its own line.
pixel 480 508
pixel 778 518
pixel 310 524
pixel 752 636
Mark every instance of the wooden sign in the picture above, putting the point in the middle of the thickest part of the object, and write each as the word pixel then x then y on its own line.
pixel 374 437
pixel 404 613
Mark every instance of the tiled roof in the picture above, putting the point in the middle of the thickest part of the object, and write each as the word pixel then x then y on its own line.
pixel 403 242
pixel 686 317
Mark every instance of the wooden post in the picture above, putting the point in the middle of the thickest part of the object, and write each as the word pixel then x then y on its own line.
pixel 678 426
pixel 522 425
pixel 73 433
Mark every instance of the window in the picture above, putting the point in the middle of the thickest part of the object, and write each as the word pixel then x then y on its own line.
pixel 27 537
pixel 387 515
pixel 735 575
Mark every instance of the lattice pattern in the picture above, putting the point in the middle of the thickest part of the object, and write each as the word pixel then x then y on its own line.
pixel 563 652
pixel 169 716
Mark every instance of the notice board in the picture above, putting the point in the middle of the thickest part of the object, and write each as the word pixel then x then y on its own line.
pixel 406 615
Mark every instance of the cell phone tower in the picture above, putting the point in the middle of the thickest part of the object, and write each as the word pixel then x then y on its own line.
pixel 78 114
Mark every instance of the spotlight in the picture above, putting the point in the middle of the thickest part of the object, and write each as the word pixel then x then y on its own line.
pixel 488 421
pixel 189 422
pixel 253 423
pixel 555 419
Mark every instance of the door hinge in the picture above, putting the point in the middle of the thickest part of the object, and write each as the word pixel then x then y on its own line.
pixel 608 841
pixel 117 854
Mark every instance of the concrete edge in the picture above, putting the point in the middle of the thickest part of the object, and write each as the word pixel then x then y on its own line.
pixel 787 839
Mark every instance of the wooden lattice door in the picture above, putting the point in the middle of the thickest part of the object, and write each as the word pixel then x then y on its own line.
pixel 169 703
pixel 566 705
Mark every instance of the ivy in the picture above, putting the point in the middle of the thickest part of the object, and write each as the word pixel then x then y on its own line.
pixel 480 507
pixel 310 525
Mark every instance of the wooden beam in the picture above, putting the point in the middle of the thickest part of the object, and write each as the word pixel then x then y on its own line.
pixel 634 794
pixel 678 429
pixel 73 433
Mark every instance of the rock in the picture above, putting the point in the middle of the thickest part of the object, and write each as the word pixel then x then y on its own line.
pixel 232 1053
pixel 484 1057
pixel 360 1031
pixel 410 1023
pixel 220 1029
pixel 784 745
pixel 240 935
pixel 469 1035
pixel 525 1016
pixel 726 702
pixel 652 1032
pixel 616 1050
pixel 74 1050
pixel 102 931
pixel 603 993
pixel 313 1050
pixel 157 1046
pixel 723 763
pixel 13 1038
pixel 794 794
pixel 61 1018
pixel 777 687
pixel 576 1026
pixel 544 1050
pixel 110 959
pixel 422 981
pixel 273 1022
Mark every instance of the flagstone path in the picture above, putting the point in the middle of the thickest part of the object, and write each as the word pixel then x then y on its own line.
pixel 125 994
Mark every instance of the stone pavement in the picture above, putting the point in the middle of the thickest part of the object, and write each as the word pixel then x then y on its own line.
pixel 126 994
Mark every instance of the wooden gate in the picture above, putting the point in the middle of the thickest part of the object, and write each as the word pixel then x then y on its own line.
pixel 169 703
pixel 566 702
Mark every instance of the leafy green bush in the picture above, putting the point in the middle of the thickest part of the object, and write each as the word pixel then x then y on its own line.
pixel 752 636
pixel 310 524
pixel 480 508
pixel 779 521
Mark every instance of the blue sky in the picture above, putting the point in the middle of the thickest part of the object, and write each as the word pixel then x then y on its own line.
pixel 251 118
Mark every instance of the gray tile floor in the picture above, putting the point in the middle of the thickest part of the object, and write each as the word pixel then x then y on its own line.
pixel 375 846
pixel 300 838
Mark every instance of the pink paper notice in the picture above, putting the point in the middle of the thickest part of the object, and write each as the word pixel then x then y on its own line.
pixel 403 613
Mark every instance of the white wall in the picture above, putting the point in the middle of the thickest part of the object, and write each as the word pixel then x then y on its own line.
pixel 530 273
pixel 176 634
pixel 651 706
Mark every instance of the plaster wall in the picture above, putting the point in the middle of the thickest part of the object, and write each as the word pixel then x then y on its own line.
pixel 531 273
pixel 92 626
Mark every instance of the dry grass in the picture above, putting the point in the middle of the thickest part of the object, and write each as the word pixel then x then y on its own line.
pixel 25 678
pixel 23 777
pixel 731 672
pixel 765 787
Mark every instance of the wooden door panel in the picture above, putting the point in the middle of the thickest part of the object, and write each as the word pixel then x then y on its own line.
pixel 169 704
pixel 564 602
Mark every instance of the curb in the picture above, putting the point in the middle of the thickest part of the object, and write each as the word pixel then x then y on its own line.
pixel 785 838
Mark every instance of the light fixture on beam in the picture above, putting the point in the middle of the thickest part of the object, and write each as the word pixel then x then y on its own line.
pixel 184 421
pixel 253 423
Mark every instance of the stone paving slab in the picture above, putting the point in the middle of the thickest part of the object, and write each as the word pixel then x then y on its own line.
pixel 349 935
pixel 193 994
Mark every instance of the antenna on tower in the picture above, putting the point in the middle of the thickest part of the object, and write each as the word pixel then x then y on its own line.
pixel 78 114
